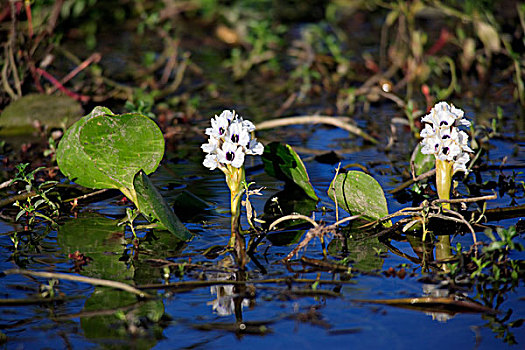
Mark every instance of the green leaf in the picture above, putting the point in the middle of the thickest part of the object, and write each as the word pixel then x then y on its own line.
pixel 103 328
pixel 100 239
pixel 152 205
pixel 103 150
pixel 422 162
pixel 360 250
pixel 281 161
pixel 73 160
pixel 359 194
pixel 51 111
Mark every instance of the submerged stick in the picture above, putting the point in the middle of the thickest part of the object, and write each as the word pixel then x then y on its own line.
pixel 434 304
pixel 89 280
pixel 316 119
pixel 188 285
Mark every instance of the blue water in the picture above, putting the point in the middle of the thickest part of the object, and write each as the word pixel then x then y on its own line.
pixel 332 322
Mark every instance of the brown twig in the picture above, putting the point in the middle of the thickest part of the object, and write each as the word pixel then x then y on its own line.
pixel 94 58
pixel 293 217
pixel 411 181
pixel 340 122
pixel 61 87
pixel 317 231
pixel 83 279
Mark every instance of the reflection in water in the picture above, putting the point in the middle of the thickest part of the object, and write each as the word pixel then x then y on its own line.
pixel 224 304
pixel 435 291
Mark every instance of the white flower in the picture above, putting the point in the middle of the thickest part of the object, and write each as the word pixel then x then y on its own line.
pixel 211 162
pixel 211 146
pixel 248 125
pixel 229 141
pixel 219 126
pixel 237 134
pixel 443 139
pixel 229 115
pixel 255 148
pixel 428 131
pixel 231 153
pixel 460 162
pixel 443 115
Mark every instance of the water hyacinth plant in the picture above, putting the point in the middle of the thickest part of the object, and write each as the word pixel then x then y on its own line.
pixel 228 143
pixel 449 145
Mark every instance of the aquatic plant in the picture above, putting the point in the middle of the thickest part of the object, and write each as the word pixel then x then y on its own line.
pixel 228 143
pixel 449 145
pixel 104 150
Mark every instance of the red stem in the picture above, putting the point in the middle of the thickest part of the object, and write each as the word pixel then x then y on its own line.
pixel 29 18
pixel 61 87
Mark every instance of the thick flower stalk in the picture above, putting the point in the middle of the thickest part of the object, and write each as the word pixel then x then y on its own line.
pixel 449 145
pixel 228 144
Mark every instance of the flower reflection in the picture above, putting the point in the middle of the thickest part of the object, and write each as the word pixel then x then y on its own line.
pixel 224 304
pixel 436 291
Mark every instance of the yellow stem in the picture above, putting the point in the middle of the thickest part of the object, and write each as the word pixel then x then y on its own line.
pixel 444 171
pixel 443 180
pixel 235 178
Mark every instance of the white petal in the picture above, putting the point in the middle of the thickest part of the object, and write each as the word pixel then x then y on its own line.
pixel 428 131
pixel 458 113
pixel 228 115
pixel 460 162
pixel 211 146
pixel 237 134
pixel 248 125
pixel 238 159
pixel 210 161
pixel 255 148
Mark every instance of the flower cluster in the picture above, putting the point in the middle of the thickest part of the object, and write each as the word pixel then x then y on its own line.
pixel 442 137
pixel 229 141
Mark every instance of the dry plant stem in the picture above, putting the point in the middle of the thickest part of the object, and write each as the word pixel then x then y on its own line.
pixel 293 217
pixel 317 231
pixel 335 197
pixel 89 280
pixel 316 119
pixel 94 58
pixel 411 181
pixel 31 301
pixel 17 197
pixel 416 211
pixel 466 200
pixel 185 285
pixel 95 193
pixel 342 221
pixel 5 79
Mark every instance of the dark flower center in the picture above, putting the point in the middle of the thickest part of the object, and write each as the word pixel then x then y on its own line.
pixel 443 122
pixel 444 137
pixel 235 138
pixel 445 150
pixel 221 130
pixel 230 156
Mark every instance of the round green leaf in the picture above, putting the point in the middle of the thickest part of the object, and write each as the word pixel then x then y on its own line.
pixel 104 150
pixel 75 163
pixel 359 194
